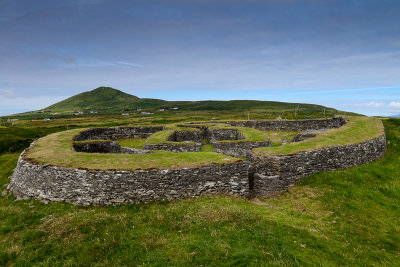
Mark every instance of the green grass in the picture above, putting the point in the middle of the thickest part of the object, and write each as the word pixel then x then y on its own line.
pixel 56 149
pixel 161 137
pixel 132 142
pixel 254 135
pixel 357 130
pixel 15 139
pixel 207 148
pixel 339 218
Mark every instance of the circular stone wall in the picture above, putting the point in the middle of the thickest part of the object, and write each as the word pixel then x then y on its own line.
pixel 258 176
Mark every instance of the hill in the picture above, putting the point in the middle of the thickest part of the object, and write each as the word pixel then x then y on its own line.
pixel 99 98
pixel 107 98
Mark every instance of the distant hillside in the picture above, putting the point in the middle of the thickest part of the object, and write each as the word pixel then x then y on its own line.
pixel 396 116
pixel 107 100
pixel 110 99
pixel 100 98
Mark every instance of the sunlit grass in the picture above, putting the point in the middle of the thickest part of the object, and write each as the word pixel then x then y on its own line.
pixel 132 142
pixel 357 130
pixel 56 149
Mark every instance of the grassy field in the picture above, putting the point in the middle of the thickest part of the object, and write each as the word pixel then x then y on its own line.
pixel 338 218
pixel 356 130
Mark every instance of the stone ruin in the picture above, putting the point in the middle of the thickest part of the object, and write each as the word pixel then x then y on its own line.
pixel 256 177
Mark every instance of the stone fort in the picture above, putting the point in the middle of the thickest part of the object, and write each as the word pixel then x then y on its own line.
pixel 257 176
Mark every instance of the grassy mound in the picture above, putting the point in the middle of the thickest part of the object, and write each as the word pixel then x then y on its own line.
pixel 355 131
pixel 56 149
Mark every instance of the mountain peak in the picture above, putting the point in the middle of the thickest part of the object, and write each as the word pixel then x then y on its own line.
pixel 99 98
pixel 105 89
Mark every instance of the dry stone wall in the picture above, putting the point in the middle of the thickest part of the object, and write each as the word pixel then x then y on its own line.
pixel 238 149
pixel 297 125
pixel 94 187
pixel 98 147
pixel 224 134
pixel 258 176
pixel 106 147
pixel 112 133
pixel 178 147
pixel 276 173
pixel 181 136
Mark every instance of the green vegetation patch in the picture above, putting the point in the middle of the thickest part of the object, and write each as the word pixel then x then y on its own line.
pixel 163 136
pixel 56 149
pixel 355 131
pixel 207 148
pixel 254 135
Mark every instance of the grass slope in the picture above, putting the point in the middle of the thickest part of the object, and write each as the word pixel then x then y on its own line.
pixel 338 218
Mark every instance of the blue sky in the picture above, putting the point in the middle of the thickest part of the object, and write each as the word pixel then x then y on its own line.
pixel 343 53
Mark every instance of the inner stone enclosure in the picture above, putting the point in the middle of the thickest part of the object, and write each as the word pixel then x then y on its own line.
pixel 183 139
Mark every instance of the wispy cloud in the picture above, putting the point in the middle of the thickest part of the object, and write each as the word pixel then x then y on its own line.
pixel 129 64
pixel 371 104
pixel 93 63
pixel 7 94
pixel 395 104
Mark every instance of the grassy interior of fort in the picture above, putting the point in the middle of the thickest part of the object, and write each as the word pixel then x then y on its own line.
pixel 355 131
pixel 347 217
pixel 56 149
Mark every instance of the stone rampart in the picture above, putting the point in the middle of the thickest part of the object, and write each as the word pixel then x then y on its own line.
pixel 297 125
pixel 276 173
pixel 95 187
pixel 112 133
pixel 258 176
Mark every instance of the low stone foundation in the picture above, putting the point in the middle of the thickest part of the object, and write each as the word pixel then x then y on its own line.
pixel 181 136
pixel 98 147
pixel 106 147
pixel 224 134
pixel 238 149
pixel 174 147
